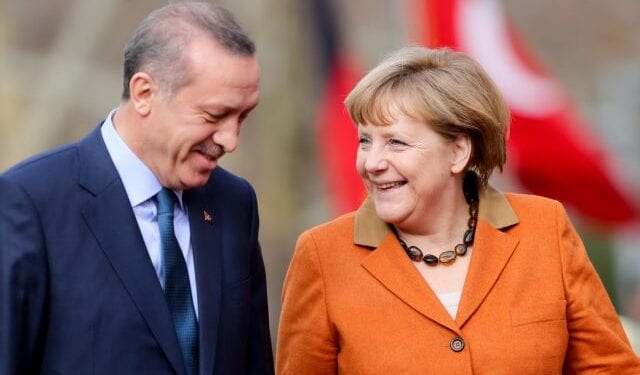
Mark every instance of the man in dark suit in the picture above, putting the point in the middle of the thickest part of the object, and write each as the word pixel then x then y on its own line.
pixel 130 251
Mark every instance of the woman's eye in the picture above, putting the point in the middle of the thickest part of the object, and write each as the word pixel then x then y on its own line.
pixel 364 140
pixel 396 142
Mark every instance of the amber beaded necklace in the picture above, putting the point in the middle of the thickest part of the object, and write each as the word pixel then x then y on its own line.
pixel 470 190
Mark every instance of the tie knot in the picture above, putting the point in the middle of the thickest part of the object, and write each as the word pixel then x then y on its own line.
pixel 166 199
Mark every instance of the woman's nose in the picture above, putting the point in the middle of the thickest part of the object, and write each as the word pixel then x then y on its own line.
pixel 375 160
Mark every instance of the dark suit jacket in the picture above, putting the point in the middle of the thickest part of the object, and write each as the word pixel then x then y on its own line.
pixel 78 292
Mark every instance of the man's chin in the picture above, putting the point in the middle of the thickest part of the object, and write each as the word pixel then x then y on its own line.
pixel 195 181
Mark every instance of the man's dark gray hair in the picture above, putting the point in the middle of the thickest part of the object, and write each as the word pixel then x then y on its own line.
pixel 158 45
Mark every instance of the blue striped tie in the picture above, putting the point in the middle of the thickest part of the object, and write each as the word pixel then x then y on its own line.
pixel 175 279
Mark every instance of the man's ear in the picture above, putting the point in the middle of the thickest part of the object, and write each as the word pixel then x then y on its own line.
pixel 461 153
pixel 142 89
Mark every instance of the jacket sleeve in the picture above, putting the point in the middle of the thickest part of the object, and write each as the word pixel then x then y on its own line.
pixel 307 343
pixel 260 352
pixel 23 282
pixel 597 341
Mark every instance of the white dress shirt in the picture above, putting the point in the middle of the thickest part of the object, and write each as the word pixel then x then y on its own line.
pixel 450 301
pixel 142 186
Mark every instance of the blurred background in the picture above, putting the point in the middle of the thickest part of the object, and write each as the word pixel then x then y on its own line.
pixel 569 70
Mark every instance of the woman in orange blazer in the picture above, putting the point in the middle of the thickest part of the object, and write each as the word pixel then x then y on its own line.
pixel 438 272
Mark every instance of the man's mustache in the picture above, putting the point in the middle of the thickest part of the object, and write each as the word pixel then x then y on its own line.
pixel 212 150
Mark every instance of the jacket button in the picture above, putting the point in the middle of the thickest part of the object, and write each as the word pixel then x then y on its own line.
pixel 457 344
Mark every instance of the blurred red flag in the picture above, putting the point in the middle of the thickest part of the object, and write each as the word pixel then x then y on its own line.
pixel 550 149
pixel 336 139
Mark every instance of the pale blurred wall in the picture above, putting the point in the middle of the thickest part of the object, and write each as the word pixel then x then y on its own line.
pixel 60 74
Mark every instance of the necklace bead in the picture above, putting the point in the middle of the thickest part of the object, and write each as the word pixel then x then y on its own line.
pixel 449 256
pixel 461 249
pixel 414 253
pixel 468 236
pixel 430 259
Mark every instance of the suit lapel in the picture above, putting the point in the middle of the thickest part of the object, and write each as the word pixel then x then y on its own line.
pixel 205 223
pixel 393 269
pixel 111 220
pixel 492 250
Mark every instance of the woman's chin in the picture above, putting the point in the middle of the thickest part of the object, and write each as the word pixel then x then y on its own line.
pixel 391 215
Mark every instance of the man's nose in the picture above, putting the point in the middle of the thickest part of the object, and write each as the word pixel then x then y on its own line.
pixel 227 136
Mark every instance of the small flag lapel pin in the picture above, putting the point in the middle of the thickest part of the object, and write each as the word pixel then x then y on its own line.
pixel 207 217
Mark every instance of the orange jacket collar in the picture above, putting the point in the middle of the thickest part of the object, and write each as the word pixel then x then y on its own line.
pixel 494 208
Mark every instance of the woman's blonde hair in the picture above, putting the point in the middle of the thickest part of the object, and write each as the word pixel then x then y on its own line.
pixel 447 90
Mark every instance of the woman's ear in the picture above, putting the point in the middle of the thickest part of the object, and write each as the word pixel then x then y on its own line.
pixel 142 88
pixel 461 153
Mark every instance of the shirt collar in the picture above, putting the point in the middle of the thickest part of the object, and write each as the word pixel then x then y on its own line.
pixel 494 208
pixel 139 181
